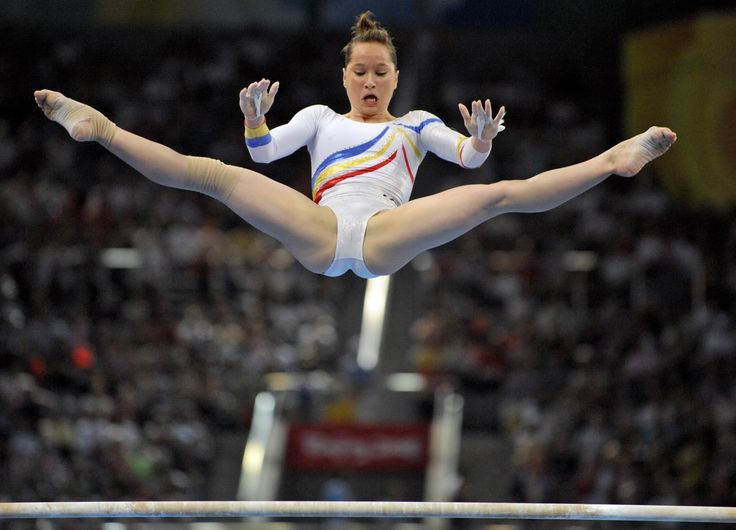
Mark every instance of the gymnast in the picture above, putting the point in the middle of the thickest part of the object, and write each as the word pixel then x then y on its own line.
pixel 364 163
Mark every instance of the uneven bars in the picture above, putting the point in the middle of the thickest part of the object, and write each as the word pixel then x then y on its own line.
pixel 290 509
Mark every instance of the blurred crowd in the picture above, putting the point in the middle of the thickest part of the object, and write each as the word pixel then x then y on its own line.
pixel 605 332
pixel 137 321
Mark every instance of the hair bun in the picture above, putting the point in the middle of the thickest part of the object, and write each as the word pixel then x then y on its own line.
pixel 367 29
pixel 365 23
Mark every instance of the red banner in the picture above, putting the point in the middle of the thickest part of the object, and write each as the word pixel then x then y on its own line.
pixel 384 447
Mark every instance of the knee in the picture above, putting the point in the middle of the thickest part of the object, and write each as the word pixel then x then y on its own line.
pixel 211 177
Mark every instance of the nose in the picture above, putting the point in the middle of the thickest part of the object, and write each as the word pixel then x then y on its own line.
pixel 370 82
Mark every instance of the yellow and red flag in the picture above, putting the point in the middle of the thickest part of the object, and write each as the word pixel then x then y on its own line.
pixel 683 75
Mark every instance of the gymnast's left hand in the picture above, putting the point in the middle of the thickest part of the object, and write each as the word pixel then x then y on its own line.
pixel 480 123
pixel 256 99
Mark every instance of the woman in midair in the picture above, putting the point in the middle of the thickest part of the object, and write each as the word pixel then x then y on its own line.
pixel 364 163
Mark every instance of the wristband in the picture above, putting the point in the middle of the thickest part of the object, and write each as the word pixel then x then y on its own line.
pixel 257 137
pixel 261 130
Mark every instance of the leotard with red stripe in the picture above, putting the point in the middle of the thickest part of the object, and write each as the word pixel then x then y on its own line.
pixel 377 159
pixel 359 169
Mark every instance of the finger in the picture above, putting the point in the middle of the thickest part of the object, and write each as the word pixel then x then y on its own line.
pixel 499 119
pixel 479 108
pixel 474 113
pixel 489 109
pixel 274 89
pixel 463 111
pixel 501 114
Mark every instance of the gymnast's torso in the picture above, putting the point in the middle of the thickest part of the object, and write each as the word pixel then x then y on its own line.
pixel 372 160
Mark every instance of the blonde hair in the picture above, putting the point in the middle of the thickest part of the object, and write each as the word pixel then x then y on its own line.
pixel 366 29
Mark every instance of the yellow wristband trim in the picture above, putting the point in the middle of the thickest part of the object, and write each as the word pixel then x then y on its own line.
pixel 261 130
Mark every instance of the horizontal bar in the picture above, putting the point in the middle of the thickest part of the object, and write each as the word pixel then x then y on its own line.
pixel 289 509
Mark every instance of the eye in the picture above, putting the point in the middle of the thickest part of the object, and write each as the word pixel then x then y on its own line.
pixel 381 74
pixel 358 72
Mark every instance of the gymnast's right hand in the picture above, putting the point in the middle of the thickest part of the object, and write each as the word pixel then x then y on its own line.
pixel 256 99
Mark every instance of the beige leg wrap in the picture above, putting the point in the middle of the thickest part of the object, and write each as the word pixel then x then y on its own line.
pixel 211 177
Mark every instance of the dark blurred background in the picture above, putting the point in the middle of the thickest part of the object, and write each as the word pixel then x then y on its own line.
pixel 588 353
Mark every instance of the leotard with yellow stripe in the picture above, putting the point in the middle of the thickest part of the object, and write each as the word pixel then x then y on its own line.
pixel 360 168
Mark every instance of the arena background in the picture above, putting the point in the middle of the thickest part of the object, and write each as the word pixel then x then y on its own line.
pixel 580 355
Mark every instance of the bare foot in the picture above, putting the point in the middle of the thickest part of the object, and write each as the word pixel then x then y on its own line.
pixel 82 122
pixel 631 155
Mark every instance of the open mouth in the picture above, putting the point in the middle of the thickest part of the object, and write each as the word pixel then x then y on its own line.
pixel 370 98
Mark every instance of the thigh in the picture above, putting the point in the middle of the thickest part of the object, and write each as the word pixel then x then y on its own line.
pixel 306 229
pixel 395 237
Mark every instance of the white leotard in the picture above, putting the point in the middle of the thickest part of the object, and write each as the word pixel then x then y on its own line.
pixel 359 169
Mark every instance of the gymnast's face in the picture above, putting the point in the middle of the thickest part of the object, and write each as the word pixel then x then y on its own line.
pixel 370 78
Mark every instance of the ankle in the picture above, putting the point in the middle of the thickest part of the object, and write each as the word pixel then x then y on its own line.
pixel 105 130
pixel 608 160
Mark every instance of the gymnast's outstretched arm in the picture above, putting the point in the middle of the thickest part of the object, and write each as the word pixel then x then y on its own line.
pixel 266 145
pixel 450 145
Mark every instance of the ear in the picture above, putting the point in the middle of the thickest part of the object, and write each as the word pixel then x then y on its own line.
pixel 344 82
pixel 396 83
